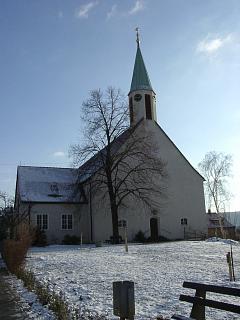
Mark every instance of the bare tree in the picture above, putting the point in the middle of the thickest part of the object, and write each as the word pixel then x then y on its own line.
pixel 216 168
pixel 121 160
pixel 10 218
pixel 5 200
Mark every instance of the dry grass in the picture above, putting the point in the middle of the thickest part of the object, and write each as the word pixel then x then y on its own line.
pixel 54 301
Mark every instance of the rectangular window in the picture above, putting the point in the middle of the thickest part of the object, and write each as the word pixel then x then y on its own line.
pixel 67 222
pixel 42 221
pixel 122 223
pixel 131 109
pixel 184 221
pixel 148 106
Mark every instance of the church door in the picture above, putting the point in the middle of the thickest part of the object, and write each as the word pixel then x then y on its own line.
pixel 154 229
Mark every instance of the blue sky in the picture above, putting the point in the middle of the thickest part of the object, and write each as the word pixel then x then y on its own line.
pixel 52 53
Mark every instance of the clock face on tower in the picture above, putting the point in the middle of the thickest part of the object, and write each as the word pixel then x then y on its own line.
pixel 137 97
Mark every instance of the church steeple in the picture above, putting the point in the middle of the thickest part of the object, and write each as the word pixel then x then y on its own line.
pixel 142 101
pixel 140 78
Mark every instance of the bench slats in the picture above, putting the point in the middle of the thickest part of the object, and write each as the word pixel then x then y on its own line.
pixel 211 303
pixel 212 288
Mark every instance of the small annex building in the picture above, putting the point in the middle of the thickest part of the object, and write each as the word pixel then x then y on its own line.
pixel 60 201
pixel 220 226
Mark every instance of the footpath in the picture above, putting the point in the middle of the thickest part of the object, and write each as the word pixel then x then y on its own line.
pixel 9 307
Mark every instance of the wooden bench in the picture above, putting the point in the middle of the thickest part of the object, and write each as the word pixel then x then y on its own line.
pixel 200 301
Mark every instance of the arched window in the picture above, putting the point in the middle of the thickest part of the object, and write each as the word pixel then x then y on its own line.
pixel 148 106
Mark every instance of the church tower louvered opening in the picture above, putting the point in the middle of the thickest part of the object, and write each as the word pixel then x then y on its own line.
pixel 142 98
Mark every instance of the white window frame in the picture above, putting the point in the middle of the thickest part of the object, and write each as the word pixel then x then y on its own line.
pixel 41 223
pixel 66 214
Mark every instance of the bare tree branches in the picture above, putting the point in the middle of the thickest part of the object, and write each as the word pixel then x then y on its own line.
pixel 121 159
pixel 216 168
pixel 5 200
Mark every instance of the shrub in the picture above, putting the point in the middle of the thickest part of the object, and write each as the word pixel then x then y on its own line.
pixel 71 239
pixel 3 228
pixel 140 237
pixel 14 251
pixel 39 238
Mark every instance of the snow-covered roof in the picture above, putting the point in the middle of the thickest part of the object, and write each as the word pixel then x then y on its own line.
pixel 49 184
pixel 213 221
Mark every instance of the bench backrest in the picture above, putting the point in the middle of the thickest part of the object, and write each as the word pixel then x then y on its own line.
pixel 211 288
pixel 200 301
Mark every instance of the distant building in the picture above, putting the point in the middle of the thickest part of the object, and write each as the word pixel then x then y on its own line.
pixel 61 202
pixel 219 226
pixel 233 217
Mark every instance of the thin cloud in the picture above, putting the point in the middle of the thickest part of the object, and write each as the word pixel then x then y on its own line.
pixel 138 6
pixel 60 14
pixel 59 154
pixel 112 12
pixel 211 46
pixel 84 10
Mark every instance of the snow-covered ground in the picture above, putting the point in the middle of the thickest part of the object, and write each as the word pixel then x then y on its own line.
pixel 85 275
pixel 24 304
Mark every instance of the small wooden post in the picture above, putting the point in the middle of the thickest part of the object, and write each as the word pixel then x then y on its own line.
pixel 126 241
pixel 81 239
pixel 233 272
pixel 123 300
pixel 228 255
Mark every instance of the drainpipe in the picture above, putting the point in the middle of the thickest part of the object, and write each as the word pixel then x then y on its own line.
pixel 29 214
pixel 90 211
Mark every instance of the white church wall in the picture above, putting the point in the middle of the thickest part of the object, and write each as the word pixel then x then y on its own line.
pixel 102 219
pixel 185 189
pixel 137 217
pixel 55 233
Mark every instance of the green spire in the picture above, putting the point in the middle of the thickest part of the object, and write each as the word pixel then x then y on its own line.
pixel 140 78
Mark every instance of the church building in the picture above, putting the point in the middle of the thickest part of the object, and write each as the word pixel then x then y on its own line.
pixel 53 202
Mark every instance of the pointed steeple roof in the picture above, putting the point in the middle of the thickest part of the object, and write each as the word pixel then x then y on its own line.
pixel 140 78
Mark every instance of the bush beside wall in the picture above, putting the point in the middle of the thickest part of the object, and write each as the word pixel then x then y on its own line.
pixel 15 250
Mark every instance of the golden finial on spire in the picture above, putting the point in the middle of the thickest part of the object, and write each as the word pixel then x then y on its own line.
pixel 137 34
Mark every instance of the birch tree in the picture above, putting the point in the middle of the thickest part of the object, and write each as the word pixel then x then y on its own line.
pixel 216 169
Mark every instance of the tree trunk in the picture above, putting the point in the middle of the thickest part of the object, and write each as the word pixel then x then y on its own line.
pixel 114 211
pixel 114 207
